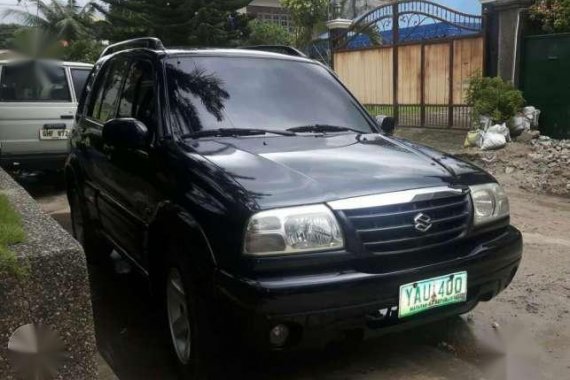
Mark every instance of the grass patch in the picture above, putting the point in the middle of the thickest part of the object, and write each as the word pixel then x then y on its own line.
pixel 11 232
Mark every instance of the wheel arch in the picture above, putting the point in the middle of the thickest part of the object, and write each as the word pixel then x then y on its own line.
pixel 71 172
pixel 173 223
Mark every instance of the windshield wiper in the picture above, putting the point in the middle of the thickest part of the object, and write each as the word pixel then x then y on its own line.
pixel 229 132
pixel 322 128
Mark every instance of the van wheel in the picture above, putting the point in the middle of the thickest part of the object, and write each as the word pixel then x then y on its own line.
pixel 187 325
pixel 96 248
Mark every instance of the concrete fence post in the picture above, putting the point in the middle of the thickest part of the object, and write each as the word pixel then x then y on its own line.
pixel 504 24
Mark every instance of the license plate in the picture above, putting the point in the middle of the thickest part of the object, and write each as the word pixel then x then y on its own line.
pixel 54 134
pixel 434 292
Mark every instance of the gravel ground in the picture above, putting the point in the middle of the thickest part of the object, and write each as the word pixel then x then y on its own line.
pixel 522 334
pixel 539 166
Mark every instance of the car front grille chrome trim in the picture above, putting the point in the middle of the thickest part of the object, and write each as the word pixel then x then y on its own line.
pixel 407 221
pixel 398 197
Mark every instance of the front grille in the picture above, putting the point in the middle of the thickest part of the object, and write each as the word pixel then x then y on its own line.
pixel 392 229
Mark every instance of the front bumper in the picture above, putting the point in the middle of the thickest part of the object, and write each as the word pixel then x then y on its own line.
pixel 317 308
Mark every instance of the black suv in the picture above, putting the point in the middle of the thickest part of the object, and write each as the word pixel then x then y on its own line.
pixel 256 192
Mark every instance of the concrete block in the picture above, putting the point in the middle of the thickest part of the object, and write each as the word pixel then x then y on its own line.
pixel 55 294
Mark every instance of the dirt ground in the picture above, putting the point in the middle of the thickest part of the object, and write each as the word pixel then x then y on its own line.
pixel 524 333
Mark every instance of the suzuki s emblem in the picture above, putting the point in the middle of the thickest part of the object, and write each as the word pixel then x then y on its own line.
pixel 422 222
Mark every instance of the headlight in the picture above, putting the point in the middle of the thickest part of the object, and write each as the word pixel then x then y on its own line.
pixel 292 230
pixel 489 203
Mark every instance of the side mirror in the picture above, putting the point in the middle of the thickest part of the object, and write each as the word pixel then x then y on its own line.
pixel 125 133
pixel 387 124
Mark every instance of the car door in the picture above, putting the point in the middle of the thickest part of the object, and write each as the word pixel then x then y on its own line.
pixel 130 193
pixel 87 134
pixel 36 108
pixel 100 107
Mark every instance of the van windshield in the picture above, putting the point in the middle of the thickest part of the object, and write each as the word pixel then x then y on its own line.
pixel 34 81
pixel 274 94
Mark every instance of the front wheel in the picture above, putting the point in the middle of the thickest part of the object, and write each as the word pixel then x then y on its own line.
pixel 96 248
pixel 178 317
pixel 187 324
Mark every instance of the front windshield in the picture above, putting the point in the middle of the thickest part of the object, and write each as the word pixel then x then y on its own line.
pixel 274 94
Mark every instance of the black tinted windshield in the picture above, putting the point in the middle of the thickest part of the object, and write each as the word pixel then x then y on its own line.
pixel 274 94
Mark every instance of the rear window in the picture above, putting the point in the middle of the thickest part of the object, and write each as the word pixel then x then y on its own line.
pixel 34 82
pixel 79 78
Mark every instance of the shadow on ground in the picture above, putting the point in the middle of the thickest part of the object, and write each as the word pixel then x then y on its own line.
pixel 41 184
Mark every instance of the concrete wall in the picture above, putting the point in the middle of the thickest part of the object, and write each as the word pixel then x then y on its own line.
pixel 54 295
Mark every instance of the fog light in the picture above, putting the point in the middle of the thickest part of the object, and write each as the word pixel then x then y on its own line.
pixel 278 335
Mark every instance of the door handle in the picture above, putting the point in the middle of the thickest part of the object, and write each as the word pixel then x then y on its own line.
pixel 66 117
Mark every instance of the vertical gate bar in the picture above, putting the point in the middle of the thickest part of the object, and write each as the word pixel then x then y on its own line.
pixel 484 23
pixel 450 113
pixel 422 87
pixel 395 41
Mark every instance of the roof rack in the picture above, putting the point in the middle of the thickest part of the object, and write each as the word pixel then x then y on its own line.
pixel 144 42
pixel 282 49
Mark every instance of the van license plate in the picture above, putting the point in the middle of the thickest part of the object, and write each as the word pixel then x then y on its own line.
pixel 54 134
pixel 427 294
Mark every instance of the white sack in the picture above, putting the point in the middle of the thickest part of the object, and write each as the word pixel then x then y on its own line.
pixel 500 129
pixel 492 141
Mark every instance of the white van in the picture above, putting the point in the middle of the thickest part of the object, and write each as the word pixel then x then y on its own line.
pixel 38 100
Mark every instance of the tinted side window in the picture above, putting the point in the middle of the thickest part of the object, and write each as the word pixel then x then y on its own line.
pixel 137 99
pixel 105 99
pixel 89 86
pixel 94 104
pixel 79 78
pixel 34 81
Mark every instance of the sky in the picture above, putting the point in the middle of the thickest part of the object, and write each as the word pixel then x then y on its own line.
pixel 466 6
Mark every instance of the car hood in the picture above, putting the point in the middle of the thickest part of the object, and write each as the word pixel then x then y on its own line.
pixel 280 171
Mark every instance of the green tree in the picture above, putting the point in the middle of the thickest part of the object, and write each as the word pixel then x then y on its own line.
pixel 27 39
pixel 268 33
pixel 62 30
pixel 7 35
pixel 551 16
pixel 306 16
pixel 177 22
pixel 84 50
pixel 63 21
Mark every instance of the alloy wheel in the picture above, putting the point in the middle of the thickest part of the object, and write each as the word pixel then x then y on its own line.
pixel 178 316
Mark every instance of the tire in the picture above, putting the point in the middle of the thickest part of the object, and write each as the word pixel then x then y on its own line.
pixel 97 249
pixel 188 327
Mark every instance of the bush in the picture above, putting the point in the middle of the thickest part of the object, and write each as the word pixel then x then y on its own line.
pixel 493 97
pixel 268 33
pixel 551 16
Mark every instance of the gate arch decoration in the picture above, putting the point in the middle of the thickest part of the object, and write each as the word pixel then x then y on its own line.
pixel 411 59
